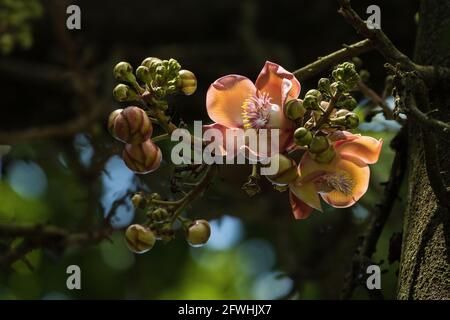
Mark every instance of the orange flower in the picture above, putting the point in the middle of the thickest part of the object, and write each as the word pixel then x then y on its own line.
pixel 340 183
pixel 234 102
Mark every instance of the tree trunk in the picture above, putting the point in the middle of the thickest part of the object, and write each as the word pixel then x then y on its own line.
pixel 425 268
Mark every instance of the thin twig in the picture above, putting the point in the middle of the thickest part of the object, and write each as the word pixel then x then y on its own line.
pixel 323 63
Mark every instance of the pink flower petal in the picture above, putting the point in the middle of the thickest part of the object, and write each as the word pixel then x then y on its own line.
pixel 225 98
pixel 280 84
pixel 363 149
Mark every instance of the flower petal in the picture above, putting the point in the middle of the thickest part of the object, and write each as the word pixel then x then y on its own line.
pixel 230 152
pixel 300 209
pixel 225 98
pixel 280 84
pixel 363 149
pixel 359 177
pixel 306 192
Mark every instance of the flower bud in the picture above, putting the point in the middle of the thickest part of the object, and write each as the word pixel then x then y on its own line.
pixel 294 109
pixel 324 85
pixel 352 120
pixel 347 74
pixel 142 158
pixel 302 137
pixel 143 74
pixel 287 169
pixel 325 156
pixel 138 201
pixel 112 119
pixel 187 82
pixel 347 102
pixel 312 99
pixel 318 144
pixel 123 71
pixel 139 239
pixel 198 233
pixel 132 125
pixel 151 63
pixel 123 93
pixel 159 214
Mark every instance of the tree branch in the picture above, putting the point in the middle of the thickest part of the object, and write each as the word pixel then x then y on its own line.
pixel 323 63
pixel 387 49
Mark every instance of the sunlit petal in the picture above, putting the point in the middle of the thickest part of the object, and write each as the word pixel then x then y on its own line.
pixel 363 149
pixel 279 83
pixel 225 98
pixel 356 180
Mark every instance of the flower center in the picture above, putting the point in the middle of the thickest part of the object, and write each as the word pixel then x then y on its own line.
pixel 339 181
pixel 257 110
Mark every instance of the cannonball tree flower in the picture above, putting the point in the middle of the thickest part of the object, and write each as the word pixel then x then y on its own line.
pixel 235 102
pixel 341 182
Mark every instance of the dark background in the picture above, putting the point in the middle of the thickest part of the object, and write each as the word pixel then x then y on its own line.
pixel 306 259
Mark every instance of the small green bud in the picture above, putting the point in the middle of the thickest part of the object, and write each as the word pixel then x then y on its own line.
pixel 315 93
pixel 294 109
pixel 155 196
pixel 302 136
pixel 312 99
pixel 324 85
pixel 339 121
pixel 139 239
pixel 151 63
pixel 318 144
pixel 123 93
pixel 287 170
pixel 138 201
pixel 347 102
pixel 346 73
pixel 160 214
pixel 187 82
pixel 143 74
pixel 123 71
pixel 325 156
pixel 198 233
pixel 352 120
pixel 364 75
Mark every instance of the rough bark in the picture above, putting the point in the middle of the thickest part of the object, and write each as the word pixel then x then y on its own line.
pixel 425 268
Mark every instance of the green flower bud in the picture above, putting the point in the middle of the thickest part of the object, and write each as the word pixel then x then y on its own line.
pixel 294 109
pixel 318 144
pixel 139 239
pixel 123 71
pixel 352 120
pixel 123 93
pixel 198 233
pixel 347 102
pixel 111 120
pixel 287 170
pixel 312 100
pixel 324 85
pixel 347 74
pixel 143 74
pixel 160 214
pixel 187 82
pixel 142 158
pixel 138 201
pixel 131 125
pixel 302 137
pixel 151 63
pixel 155 196
pixel 325 156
